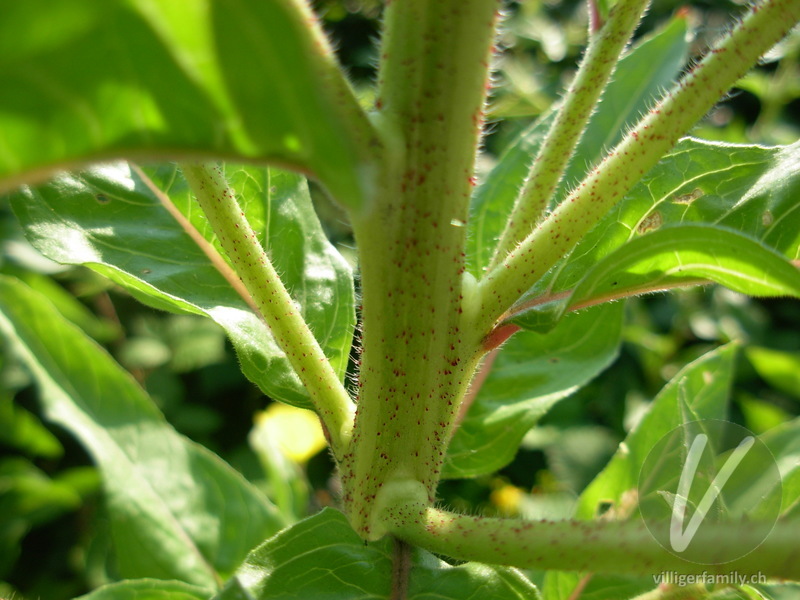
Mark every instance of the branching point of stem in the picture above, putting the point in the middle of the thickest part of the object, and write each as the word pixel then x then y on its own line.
pixel 635 155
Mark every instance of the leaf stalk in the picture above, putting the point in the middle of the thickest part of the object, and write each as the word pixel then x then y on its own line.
pixel 597 546
pixel 547 169
pixel 636 154
pixel 274 303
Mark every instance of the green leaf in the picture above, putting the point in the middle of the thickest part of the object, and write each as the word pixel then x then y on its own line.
pixel 641 77
pixel 749 189
pixel 147 589
pixel 28 497
pixel 784 443
pixel 101 329
pixel 433 579
pixel 760 415
pixel 560 585
pixel 677 256
pixel 774 591
pixel 779 369
pixel 21 429
pixel 531 373
pixel 285 482
pixel 97 218
pixel 322 557
pixel 178 511
pixel 89 81
pixel 699 391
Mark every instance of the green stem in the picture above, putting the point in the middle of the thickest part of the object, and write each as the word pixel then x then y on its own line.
pixel 419 345
pixel 275 305
pixel 597 546
pixel 638 152
pixel 605 48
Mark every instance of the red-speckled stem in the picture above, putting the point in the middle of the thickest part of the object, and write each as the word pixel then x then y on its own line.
pixel 273 301
pixel 597 546
pixel 638 152
pixel 605 48
pixel 419 351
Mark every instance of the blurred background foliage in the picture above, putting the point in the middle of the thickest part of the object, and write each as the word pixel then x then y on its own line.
pixel 54 537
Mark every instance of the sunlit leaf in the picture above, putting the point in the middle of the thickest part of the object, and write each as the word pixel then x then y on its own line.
pixel 748 189
pixel 322 557
pixel 94 218
pixel 672 257
pixel 147 589
pixel 699 391
pixel 88 80
pixel 178 511
pixel 784 443
pixel 780 369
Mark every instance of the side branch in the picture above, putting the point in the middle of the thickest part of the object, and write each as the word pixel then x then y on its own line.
pixel 605 48
pixel 636 154
pixel 597 546
pixel 273 301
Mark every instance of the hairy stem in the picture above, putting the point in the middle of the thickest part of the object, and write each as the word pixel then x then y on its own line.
pixel 275 305
pixel 605 48
pixel 597 546
pixel 419 346
pixel 639 151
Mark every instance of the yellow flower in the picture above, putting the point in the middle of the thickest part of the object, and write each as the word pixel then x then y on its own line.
pixel 295 431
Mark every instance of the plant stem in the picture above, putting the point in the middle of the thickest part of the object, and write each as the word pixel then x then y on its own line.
pixel 597 546
pixel 602 55
pixel 637 153
pixel 419 345
pixel 275 305
pixel 401 569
